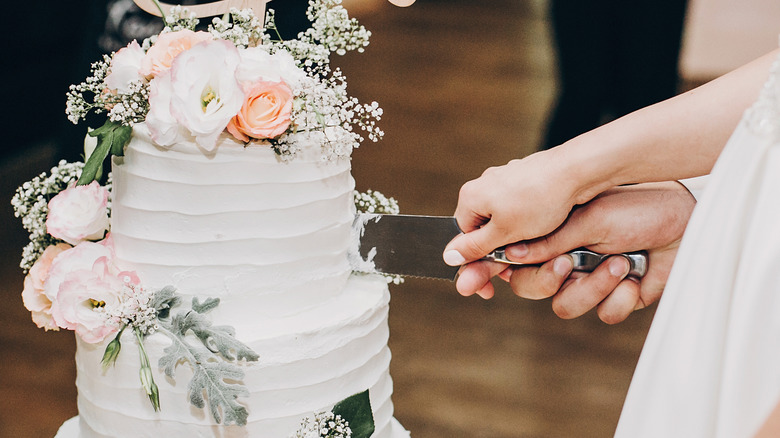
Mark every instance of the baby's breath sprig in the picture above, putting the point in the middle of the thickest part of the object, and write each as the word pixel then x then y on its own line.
pixel 31 201
pixel 375 202
pixel 352 417
pixel 180 18
pixel 31 204
pixel 324 103
pixel 130 108
pixel 242 29
pixel 323 425
pixel 333 29
pixel 93 95
pixel 78 106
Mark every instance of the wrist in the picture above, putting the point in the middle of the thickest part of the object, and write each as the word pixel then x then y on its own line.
pixel 583 169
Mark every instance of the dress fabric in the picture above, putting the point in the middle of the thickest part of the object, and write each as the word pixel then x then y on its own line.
pixel 710 366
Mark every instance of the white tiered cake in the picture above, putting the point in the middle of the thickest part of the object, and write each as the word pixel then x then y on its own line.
pixel 213 295
pixel 270 239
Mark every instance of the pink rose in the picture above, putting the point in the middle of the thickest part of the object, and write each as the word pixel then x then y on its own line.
pixel 84 284
pixel 163 127
pixel 160 56
pixel 33 297
pixel 265 112
pixel 125 68
pixel 79 213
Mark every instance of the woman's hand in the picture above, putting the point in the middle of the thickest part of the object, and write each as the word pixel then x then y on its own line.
pixel 521 200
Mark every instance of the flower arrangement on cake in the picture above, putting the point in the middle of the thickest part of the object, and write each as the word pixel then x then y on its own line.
pixel 232 77
pixel 237 79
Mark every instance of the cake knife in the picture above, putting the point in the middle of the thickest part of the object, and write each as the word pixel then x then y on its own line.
pixel 410 245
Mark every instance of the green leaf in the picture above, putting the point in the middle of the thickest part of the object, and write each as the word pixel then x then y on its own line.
pixel 357 411
pixel 94 162
pixel 210 380
pixel 206 306
pixel 112 139
pixel 122 135
pixel 215 380
pixel 164 300
pixel 218 339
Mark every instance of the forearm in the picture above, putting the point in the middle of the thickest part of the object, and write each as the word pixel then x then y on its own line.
pixel 674 139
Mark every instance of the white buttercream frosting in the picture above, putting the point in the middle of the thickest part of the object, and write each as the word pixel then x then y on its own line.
pixel 271 240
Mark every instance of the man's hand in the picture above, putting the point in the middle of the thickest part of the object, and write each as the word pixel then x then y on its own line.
pixel 650 217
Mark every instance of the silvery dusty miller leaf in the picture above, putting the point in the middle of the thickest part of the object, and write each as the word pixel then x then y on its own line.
pixel 210 361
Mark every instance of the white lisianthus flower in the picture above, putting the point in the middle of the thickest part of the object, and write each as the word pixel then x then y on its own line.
pixel 258 65
pixel 163 127
pixel 205 94
pixel 79 213
pixel 125 68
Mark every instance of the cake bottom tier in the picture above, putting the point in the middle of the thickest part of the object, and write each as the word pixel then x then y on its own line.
pixel 72 429
pixel 308 362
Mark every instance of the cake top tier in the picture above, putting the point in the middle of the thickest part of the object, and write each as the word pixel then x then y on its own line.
pixel 236 75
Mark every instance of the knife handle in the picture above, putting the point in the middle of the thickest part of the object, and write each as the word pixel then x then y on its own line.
pixel 586 260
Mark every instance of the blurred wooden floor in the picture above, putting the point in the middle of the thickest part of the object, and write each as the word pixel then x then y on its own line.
pixel 464 85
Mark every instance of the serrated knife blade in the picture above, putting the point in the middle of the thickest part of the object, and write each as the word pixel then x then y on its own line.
pixel 406 245
pixel 409 245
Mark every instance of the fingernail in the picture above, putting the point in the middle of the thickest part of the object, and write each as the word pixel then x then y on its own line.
pixel 453 258
pixel 618 267
pixel 518 250
pixel 562 266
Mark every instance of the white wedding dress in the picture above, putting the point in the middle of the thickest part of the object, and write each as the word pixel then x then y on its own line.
pixel 710 366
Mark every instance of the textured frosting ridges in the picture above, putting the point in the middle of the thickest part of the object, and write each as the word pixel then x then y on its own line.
pixel 238 221
pixel 336 351
pixel 270 239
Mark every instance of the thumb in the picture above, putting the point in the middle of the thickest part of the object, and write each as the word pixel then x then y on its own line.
pixel 471 246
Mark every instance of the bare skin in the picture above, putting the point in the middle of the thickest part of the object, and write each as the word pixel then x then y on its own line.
pixel 528 199
pixel 674 139
pixel 648 216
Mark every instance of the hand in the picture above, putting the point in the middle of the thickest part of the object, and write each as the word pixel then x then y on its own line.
pixel 521 200
pixel 647 216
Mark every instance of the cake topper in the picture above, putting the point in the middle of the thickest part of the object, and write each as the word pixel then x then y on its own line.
pixel 204 10
pixel 223 6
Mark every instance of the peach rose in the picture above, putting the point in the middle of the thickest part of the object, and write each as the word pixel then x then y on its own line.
pixel 160 56
pixel 125 68
pixel 265 112
pixel 33 297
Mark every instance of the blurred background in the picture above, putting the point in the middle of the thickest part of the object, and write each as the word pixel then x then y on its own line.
pixel 464 85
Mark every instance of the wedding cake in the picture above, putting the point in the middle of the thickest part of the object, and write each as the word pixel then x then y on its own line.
pixel 214 262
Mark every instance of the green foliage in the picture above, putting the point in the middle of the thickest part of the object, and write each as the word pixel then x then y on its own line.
pixel 112 139
pixel 211 360
pixel 357 411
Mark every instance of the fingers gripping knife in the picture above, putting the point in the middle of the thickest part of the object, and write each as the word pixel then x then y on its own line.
pixel 413 246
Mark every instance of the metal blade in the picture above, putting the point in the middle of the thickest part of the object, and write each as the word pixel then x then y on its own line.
pixel 407 245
